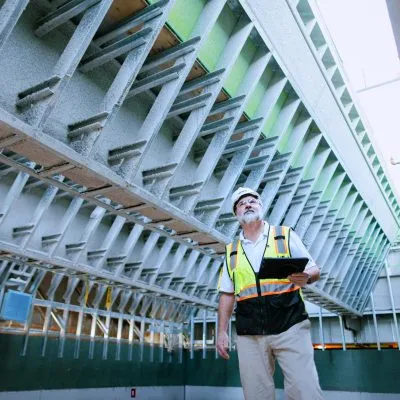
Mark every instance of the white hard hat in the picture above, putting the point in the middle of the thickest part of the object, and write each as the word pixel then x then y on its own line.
pixel 242 192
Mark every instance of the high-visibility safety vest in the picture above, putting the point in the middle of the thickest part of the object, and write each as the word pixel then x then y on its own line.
pixel 264 306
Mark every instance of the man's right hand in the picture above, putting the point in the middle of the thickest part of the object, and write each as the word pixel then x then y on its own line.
pixel 222 345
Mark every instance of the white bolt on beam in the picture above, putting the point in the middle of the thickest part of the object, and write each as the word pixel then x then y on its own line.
pixel 189 105
pixel 89 125
pixel 115 50
pixel 215 126
pixel 171 54
pixel 185 190
pixel 152 175
pixel 115 32
pixel 156 79
pixel 61 15
pixel 38 92
pixel 207 205
pixel 238 145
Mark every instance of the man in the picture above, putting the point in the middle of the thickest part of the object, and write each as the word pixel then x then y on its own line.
pixel 271 320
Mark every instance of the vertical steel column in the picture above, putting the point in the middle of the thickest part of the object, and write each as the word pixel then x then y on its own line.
pixel 204 344
pixel 55 282
pixel 396 326
pixel 216 335
pixel 378 342
pixel 192 337
pixel 26 331
pixel 5 271
pixel 171 330
pixel 63 331
pixel 119 334
pixel 130 338
pixel 78 333
pixel 321 330
pixel 106 337
pixel 152 327
pixel 162 330
pixel 180 343
pixel 142 327
pixel 92 335
pixel 230 334
pixel 342 332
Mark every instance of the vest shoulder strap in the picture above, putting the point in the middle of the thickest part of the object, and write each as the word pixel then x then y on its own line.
pixel 281 240
pixel 233 255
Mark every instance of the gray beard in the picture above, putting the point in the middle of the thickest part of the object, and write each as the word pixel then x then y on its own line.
pixel 251 217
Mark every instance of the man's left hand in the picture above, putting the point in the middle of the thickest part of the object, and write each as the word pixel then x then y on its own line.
pixel 299 278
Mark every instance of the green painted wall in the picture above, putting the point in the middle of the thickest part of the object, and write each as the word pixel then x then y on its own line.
pixel 285 136
pixel 235 78
pixel 34 372
pixel 258 94
pixel 213 47
pixel 353 370
pixel 184 15
pixel 273 117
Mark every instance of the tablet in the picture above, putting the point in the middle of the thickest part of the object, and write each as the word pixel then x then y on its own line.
pixel 281 268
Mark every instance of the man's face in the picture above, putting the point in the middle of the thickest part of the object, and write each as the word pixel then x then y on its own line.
pixel 248 209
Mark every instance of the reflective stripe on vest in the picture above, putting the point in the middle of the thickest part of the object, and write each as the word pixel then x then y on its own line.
pixel 281 244
pixel 242 274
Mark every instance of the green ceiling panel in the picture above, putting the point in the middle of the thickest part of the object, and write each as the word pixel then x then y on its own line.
pixel 274 114
pixel 258 93
pixel 285 136
pixel 184 15
pixel 214 45
pixel 240 68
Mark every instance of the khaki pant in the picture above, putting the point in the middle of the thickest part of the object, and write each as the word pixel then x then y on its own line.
pixel 295 354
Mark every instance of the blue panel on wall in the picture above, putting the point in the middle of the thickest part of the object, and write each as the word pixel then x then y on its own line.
pixel 16 306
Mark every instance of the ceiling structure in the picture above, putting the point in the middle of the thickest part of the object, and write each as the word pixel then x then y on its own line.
pixel 126 125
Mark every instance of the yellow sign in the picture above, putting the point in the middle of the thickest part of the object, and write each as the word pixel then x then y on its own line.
pixel 108 298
